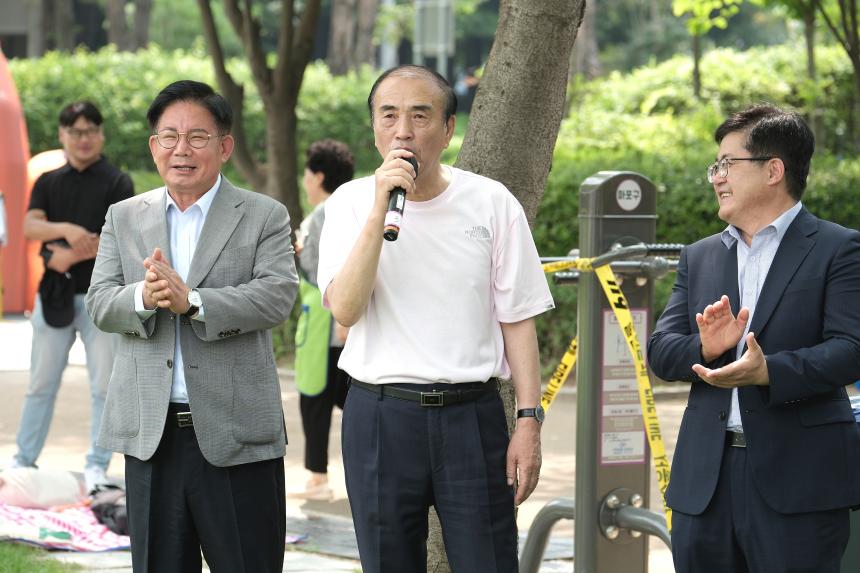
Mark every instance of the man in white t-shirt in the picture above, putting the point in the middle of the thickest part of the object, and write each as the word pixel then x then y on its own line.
pixel 436 318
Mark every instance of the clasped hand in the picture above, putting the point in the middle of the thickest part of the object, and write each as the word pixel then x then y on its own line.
pixel 162 285
pixel 720 331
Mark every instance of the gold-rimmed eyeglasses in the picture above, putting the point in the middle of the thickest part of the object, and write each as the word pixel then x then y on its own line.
pixel 721 167
pixel 196 138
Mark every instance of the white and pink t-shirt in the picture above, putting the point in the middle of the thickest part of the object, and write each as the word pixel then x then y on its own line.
pixel 464 262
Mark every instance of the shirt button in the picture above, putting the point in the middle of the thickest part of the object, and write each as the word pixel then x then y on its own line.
pixel 169 363
pixel 723 415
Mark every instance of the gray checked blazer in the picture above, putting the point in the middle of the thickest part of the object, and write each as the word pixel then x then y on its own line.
pixel 245 273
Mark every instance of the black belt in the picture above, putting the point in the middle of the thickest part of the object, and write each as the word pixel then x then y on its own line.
pixel 181 413
pixel 459 393
pixel 736 439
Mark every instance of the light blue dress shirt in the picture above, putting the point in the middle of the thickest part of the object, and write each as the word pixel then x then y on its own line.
pixel 754 262
pixel 183 228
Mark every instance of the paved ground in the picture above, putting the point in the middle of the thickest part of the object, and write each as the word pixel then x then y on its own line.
pixel 331 545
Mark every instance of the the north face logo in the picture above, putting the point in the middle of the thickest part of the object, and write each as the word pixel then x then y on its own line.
pixel 478 232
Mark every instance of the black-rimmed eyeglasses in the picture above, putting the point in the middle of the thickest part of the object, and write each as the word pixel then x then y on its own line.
pixel 721 167
pixel 196 138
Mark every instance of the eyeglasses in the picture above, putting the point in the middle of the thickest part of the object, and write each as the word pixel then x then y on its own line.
pixel 721 167
pixel 76 133
pixel 196 138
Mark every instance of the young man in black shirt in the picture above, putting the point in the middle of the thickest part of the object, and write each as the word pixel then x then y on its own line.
pixel 67 210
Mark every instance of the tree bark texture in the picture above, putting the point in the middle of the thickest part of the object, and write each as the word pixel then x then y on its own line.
pixel 586 54
pixel 340 39
pixel 64 26
pixel 117 25
pixel 350 42
pixel 278 87
pixel 514 125
pixel 520 101
pixel 142 17
pixel 364 49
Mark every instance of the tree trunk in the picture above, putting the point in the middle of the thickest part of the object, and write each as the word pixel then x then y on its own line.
pixel 36 29
pixel 277 85
pixel 515 121
pixel 586 54
pixel 142 17
pixel 809 36
pixel 282 183
pixel 64 26
pixel 697 57
pixel 364 50
pixel 117 25
pixel 341 36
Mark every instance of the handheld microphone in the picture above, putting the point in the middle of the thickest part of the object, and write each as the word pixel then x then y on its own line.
pixel 396 202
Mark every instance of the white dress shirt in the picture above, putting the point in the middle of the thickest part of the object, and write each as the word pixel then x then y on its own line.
pixel 184 228
pixel 753 265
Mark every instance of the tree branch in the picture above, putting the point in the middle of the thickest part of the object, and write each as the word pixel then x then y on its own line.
pixel 248 30
pixel 235 95
pixel 303 44
pixel 285 46
pixel 832 27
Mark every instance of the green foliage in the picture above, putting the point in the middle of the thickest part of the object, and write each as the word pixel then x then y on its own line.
pixel 706 14
pixel 123 85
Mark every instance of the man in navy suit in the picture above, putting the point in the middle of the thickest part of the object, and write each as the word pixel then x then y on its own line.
pixel 764 323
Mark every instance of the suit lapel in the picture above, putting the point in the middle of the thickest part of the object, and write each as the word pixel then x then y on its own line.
pixel 793 249
pixel 729 283
pixel 223 217
pixel 153 224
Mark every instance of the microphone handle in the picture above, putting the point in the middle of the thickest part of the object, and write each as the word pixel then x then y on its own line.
pixel 394 216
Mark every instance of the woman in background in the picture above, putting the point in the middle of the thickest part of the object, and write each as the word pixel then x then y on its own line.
pixel 319 339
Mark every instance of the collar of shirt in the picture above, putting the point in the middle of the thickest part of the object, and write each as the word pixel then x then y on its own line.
pixel 732 235
pixel 205 202
pixel 95 165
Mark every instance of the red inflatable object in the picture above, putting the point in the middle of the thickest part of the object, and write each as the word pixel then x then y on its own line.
pixel 14 153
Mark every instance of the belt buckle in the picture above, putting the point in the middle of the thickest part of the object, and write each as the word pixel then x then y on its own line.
pixel 738 440
pixel 434 399
pixel 183 419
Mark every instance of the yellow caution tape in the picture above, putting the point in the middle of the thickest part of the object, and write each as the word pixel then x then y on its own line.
pixel 562 371
pixel 577 264
pixel 619 305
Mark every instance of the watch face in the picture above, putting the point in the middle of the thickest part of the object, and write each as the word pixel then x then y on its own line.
pixel 539 413
pixel 194 298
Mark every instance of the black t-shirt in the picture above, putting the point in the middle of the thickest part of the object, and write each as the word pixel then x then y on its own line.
pixel 67 195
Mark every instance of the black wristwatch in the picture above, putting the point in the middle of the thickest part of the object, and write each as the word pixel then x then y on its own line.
pixel 536 413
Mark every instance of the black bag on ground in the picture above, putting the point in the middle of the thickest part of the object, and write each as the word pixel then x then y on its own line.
pixel 108 505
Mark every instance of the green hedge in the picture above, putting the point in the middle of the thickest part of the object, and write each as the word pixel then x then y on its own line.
pixel 123 85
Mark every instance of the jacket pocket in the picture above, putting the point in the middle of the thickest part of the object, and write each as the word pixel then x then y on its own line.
pixel 257 411
pixel 833 411
pixel 121 417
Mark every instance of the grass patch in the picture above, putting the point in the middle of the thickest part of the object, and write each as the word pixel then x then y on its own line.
pixel 17 558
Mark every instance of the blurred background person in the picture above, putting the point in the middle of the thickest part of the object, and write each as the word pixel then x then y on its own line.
pixel 67 210
pixel 319 339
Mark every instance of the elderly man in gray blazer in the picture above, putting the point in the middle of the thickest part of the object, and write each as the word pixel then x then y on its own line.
pixel 192 276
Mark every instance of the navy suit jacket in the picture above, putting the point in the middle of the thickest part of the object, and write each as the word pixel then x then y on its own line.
pixel 803 445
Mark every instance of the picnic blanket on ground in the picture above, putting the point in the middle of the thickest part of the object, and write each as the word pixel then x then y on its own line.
pixel 73 528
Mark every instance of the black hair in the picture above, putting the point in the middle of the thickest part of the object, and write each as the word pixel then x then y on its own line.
pixel 84 109
pixel 775 132
pixel 411 70
pixel 334 160
pixel 196 92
